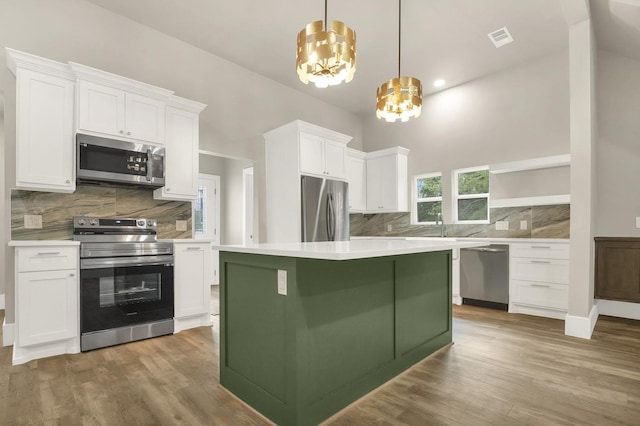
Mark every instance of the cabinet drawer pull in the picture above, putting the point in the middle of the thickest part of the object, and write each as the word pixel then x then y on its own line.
pixel 540 285
pixel 48 253
pixel 540 261
pixel 194 248
pixel 72 274
pixel 540 247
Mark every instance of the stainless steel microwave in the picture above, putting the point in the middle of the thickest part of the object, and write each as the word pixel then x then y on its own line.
pixel 111 160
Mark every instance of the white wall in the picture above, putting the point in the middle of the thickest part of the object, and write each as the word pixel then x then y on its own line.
pixel 516 114
pixel 618 149
pixel 241 104
pixel 4 218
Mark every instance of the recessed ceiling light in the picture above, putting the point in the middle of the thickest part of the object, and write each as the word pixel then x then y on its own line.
pixel 439 82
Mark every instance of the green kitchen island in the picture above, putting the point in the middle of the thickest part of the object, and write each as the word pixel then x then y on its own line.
pixel 308 328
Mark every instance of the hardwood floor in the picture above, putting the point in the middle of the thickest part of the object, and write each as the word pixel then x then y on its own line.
pixel 504 369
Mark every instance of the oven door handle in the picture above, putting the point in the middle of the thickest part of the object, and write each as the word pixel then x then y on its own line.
pixel 126 261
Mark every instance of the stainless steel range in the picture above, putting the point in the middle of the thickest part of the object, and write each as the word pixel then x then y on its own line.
pixel 126 281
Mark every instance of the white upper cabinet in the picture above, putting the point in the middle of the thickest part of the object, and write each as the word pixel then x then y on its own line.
pixel 45 148
pixel 387 180
pixel 356 172
pixel 114 112
pixel 321 156
pixel 181 152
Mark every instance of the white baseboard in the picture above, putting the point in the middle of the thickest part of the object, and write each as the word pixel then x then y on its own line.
pixel 457 300
pixel 7 333
pixel 581 326
pixel 618 309
pixel 1 301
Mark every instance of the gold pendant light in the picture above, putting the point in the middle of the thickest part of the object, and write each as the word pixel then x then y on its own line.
pixel 401 97
pixel 326 58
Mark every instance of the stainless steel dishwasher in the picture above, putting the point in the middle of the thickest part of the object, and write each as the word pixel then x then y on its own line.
pixel 484 276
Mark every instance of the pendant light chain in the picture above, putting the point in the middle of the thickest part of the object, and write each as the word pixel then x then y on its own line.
pixel 325 15
pixel 399 33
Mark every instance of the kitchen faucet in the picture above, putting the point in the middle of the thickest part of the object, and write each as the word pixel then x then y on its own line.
pixel 441 222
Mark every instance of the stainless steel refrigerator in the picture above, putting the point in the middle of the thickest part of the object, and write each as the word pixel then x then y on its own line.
pixel 325 209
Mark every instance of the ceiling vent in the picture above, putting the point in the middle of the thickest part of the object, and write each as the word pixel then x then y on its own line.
pixel 501 37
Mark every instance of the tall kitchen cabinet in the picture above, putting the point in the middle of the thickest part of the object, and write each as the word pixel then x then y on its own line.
pixel 45 149
pixel 296 149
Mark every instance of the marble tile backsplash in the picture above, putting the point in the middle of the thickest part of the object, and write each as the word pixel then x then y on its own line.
pixel 542 222
pixel 103 200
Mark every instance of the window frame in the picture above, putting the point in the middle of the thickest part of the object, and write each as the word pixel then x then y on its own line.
pixel 415 200
pixel 455 196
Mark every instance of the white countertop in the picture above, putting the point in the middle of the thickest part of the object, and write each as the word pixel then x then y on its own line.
pixel 354 249
pixel 185 240
pixel 487 239
pixel 36 243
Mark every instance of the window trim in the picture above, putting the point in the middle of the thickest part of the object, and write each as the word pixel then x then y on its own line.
pixel 455 196
pixel 415 200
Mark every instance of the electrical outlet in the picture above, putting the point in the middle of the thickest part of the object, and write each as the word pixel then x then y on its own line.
pixel 32 221
pixel 389 227
pixel 502 225
pixel 181 225
pixel 637 222
pixel 282 282
pixel 523 225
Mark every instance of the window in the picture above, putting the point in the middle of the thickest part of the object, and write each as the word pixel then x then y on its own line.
pixel 427 193
pixel 471 195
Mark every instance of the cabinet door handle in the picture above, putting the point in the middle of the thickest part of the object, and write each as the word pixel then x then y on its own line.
pixel 122 132
pixel 540 285
pixel 539 261
pixel 67 181
pixel 167 189
pixel 128 133
pixel 48 253
pixel 541 247
pixel 72 274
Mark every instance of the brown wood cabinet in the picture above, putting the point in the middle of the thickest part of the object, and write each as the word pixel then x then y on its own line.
pixel 617 274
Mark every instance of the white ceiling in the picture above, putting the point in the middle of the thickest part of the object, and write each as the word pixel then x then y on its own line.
pixel 440 38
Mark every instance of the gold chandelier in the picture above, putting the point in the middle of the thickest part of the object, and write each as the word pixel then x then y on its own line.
pixel 401 97
pixel 326 58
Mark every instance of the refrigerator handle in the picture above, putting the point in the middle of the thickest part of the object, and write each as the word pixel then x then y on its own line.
pixel 331 226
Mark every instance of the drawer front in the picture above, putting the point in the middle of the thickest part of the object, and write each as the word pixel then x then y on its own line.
pixel 46 258
pixel 540 270
pixel 540 250
pixel 552 296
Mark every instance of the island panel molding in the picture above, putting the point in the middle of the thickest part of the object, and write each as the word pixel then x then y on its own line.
pixel 344 328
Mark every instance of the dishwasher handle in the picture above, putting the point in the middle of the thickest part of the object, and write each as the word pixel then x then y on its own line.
pixel 486 249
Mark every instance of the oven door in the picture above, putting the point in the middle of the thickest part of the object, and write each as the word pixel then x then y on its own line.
pixel 119 296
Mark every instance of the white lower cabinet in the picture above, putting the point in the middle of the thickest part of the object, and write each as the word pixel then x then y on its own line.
pixel 46 303
pixel 192 284
pixel 539 279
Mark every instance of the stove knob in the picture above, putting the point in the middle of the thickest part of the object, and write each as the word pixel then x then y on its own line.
pixel 81 222
pixel 93 222
pixel 150 223
pixel 140 222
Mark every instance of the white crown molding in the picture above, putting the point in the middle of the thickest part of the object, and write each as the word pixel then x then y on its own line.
pixel 17 59
pixel 388 151
pixel 186 104
pixel 83 72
